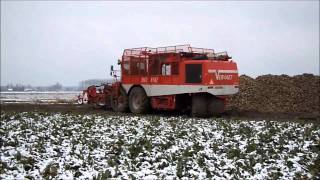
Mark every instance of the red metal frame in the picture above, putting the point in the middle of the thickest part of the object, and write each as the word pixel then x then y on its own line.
pixel 132 59
pixel 96 94
pixel 164 102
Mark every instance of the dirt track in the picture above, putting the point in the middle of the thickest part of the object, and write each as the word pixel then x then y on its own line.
pixel 85 109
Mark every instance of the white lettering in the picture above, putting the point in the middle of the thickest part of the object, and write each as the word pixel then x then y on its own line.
pixel 144 80
pixel 222 74
pixel 154 79
pixel 223 77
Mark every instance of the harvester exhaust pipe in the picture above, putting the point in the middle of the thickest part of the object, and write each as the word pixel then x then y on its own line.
pixel 111 70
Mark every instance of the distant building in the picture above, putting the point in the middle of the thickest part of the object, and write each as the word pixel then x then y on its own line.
pixel 28 89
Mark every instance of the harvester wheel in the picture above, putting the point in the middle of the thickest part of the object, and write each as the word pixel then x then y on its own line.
pixel 99 103
pixel 200 105
pixel 216 106
pixel 85 98
pixel 138 101
pixel 80 99
pixel 120 104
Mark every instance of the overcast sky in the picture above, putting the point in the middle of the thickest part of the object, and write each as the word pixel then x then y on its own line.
pixel 69 41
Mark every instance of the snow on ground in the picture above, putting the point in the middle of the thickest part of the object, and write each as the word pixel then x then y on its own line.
pixel 65 146
pixel 39 97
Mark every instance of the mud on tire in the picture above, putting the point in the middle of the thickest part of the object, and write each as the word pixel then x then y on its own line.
pixel 138 101
pixel 216 106
pixel 205 105
pixel 199 105
pixel 120 104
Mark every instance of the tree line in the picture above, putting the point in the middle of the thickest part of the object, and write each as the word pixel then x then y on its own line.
pixel 55 87
pixel 21 87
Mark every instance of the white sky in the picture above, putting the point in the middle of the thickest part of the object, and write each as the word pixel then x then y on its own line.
pixel 69 41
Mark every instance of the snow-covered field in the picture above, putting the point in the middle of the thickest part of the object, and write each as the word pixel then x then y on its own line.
pixel 39 97
pixel 64 146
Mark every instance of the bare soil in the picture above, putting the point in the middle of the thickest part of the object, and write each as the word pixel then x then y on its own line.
pixel 230 114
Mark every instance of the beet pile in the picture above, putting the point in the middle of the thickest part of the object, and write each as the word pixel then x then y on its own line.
pixel 278 93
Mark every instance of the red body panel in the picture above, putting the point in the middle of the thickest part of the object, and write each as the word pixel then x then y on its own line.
pixel 164 102
pixel 180 78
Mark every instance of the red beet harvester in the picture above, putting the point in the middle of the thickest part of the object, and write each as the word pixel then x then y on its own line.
pixel 168 78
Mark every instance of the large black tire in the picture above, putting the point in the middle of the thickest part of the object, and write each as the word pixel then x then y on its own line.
pixel 120 104
pixel 200 105
pixel 205 105
pixel 139 102
pixel 216 106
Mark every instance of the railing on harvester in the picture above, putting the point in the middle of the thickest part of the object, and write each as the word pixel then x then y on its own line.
pixel 145 51
pixel 166 49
